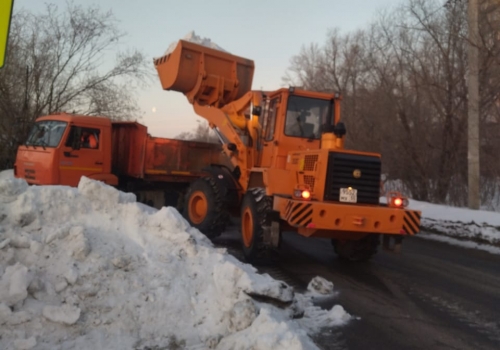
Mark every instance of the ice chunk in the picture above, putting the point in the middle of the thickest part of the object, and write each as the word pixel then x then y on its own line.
pixel 71 275
pixel 25 344
pixel 64 314
pixel 319 285
pixel 14 284
pixel 242 315
pixel 78 243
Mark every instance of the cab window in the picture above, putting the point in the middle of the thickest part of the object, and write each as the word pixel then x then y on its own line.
pixel 46 133
pixel 305 116
pixel 83 137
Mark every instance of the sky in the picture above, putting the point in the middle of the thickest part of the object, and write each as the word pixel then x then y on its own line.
pixel 89 267
pixel 268 32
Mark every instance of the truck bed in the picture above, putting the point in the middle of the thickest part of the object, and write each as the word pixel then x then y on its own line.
pixel 138 155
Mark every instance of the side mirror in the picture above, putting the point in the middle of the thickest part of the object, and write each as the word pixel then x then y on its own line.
pixel 339 129
pixel 231 147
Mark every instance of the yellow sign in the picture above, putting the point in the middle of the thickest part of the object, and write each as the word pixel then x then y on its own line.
pixel 5 16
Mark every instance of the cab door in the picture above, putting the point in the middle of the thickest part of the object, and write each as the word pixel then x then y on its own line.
pixel 268 130
pixel 80 158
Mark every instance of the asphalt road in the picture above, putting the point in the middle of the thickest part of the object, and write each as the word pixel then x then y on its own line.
pixel 431 296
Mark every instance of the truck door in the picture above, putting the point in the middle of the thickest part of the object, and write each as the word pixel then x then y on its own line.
pixel 81 155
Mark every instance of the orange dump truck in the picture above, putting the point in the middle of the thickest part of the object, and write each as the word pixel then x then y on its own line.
pixel 61 148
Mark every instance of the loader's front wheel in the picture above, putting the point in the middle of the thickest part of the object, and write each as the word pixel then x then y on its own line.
pixel 360 250
pixel 204 208
pixel 254 209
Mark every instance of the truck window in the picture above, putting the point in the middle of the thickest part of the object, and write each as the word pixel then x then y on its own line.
pixel 46 133
pixel 88 137
pixel 270 119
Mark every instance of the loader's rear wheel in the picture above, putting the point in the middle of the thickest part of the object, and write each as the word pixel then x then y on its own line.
pixel 360 250
pixel 204 208
pixel 254 209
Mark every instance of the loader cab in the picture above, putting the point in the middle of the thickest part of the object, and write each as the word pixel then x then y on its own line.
pixel 61 148
pixel 293 120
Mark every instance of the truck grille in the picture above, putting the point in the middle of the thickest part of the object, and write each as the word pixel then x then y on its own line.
pixel 340 174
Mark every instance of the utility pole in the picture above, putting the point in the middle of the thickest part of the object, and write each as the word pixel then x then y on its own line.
pixel 473 107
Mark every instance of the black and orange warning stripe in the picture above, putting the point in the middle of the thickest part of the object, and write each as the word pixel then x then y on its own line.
pixel 411 223
pixel 299 214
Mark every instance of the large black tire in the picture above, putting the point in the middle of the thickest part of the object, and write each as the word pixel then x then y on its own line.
pixel 204 207
pixel 254 209
pixel 360 250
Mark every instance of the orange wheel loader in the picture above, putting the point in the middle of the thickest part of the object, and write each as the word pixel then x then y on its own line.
pixel 288 169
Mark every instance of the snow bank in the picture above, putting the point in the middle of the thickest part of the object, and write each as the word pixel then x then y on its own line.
pixel 192 37
pixel 88 267
pixel 478 225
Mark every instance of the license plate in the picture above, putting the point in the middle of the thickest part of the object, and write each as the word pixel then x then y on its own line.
pixel 349 195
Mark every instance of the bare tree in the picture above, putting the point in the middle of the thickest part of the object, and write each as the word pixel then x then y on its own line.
pixel 201 133
pixel 60 61
pixel 430 95
pixel 405 94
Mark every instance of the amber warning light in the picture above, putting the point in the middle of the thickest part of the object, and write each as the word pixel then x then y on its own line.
pixel 304 194
pixel 396 200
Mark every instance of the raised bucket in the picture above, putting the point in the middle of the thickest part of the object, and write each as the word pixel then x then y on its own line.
pixel 205 75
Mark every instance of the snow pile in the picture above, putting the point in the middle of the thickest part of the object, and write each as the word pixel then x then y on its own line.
pixel 6 174
pixel 193 38
pixel 88 267
pixel 477 225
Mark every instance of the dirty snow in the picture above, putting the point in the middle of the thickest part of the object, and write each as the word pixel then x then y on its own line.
pixel 88 267
pixel 460 223
pixel 461 243
pixel 193 38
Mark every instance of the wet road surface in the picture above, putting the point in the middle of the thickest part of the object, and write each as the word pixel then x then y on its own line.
pixel 431 296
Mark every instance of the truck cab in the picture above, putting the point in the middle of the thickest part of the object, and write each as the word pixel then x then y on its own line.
pixel 57 151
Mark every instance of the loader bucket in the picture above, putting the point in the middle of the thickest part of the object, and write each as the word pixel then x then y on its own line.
pixel 204 75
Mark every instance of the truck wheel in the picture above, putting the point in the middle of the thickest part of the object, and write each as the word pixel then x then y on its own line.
pixel 204 207
pixel 360 250
pixel 254 209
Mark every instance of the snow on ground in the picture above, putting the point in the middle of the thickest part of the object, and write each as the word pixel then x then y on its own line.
pixel 192 37
pixel 479 226
pixel 89 267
